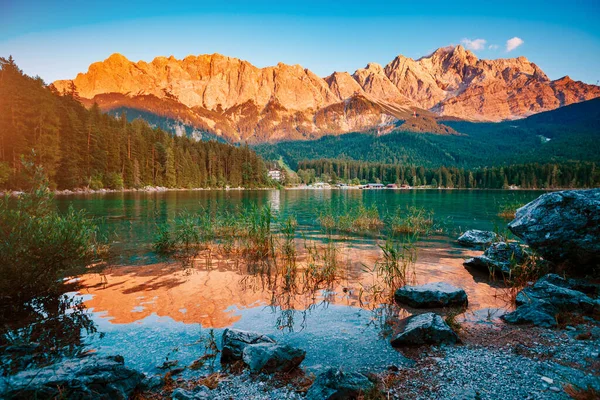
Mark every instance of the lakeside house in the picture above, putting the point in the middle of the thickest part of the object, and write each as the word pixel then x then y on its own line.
pixel 275 174
pixel 374 186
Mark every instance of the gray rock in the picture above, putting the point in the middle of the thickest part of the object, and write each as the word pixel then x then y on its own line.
pixel 562 298
pixel 437 294
pixel 92 377
pixel 551 294
pixel 498 258
pixel 428 328
pixel 580 285
pixel 538 314
pixel 562 227
pixel 182 394
pixel 339 385
pixel 235 341
pixel 271 357
pixel 477 238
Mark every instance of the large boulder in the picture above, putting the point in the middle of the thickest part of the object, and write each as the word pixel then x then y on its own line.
pixel 335 384
pixel 539 304
pixel 270 357
pixel 436 294
pixel 556 291
pixel 428 328
pixel 500 257
pixel 477 238
pixel 235 341
pixel 563 227
pixel 92 377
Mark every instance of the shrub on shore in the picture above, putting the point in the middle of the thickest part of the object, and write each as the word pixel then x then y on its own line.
pixel 39 245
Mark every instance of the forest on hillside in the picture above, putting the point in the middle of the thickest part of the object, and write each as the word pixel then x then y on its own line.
pixel 525 176
pixel 567 134
pixel 80 148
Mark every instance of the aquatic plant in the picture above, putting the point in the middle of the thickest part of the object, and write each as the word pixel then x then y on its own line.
pixel 288 250
pixel 412 220
pixel 211 351
pixel 164 243
pixel 509 209
pixel 359 219
pixel 396 266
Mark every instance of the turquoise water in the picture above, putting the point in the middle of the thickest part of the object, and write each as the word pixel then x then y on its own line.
pixel 129 219
pixel 150 309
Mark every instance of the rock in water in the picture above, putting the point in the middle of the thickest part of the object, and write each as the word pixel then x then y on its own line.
pixel 339 385
pixel 498 258
pixel 428 328
pixel 235 341
pixel 476 238
pixel 437 294
pixel 562 227
pixel 92 377
pixel 270 357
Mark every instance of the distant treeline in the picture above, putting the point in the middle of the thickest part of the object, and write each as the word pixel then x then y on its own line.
pixel 525 176
pixel 86 148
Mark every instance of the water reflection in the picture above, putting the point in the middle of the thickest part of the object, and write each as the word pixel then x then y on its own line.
pixel 209 292
pixel 45 330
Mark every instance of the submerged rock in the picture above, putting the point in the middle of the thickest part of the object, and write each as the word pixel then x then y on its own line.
pixel 428 328
pixel 339 385
pixel 436 294
pixel 477 238
pixel 270 357
pixel 235 341
pixel 551 294
pixel 562 227
pixel 92 377
pixel 498 258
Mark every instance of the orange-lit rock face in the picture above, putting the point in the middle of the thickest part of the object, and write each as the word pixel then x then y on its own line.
pixel 210 297
pixel 232 98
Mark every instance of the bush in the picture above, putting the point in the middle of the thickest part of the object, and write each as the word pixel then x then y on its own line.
pixel 96 183
pixel 39 246
pixel 114 181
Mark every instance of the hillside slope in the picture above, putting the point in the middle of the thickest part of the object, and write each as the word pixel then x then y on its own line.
pixel 571 133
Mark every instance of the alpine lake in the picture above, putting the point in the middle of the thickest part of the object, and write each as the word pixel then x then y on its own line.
pixel 153 309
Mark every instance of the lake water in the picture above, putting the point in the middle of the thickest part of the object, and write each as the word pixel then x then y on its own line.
pixel 150 308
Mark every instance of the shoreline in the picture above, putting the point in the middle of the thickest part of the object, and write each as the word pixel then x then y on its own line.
pixel 147 189
pixel 161 189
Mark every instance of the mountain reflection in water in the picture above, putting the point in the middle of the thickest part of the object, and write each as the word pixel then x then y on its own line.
pixel 207 296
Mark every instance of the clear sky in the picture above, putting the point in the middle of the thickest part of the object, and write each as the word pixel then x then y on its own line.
pixel 57 39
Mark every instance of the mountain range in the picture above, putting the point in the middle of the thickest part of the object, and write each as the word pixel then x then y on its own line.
pixel 232 99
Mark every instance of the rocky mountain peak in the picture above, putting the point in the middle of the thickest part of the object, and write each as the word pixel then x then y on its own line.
pixel 233 98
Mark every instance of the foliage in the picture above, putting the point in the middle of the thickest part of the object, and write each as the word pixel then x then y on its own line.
pixel 39 246
pixel 79 147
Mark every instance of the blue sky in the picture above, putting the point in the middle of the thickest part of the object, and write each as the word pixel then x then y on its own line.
pixel 57 39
